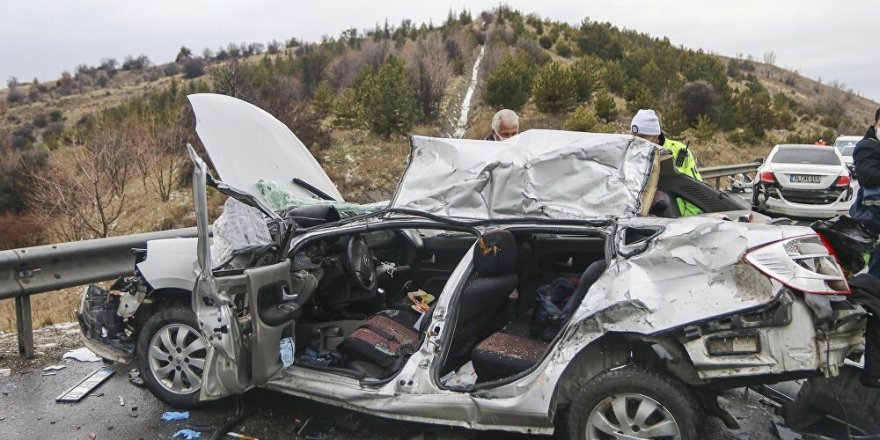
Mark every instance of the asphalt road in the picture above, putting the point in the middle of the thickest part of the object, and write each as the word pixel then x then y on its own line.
pixel 28 411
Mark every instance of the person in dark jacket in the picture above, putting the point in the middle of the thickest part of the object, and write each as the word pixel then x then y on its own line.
pixel 866 291
pixel 866 207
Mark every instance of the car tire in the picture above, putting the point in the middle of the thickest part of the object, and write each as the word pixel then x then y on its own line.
pixel 171 356
pixel 649 402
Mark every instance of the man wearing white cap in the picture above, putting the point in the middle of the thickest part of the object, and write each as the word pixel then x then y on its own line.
pixel 646 125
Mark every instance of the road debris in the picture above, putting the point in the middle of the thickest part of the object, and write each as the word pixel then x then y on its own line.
pixel 54 367
pixel 241 436
pixel 121 401
pixel 171 416
pixel 134 377
pixel 85 386
pixel 187 434
pixel 82 354
pixel 5 372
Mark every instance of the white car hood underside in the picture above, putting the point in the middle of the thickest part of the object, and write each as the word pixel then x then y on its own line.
pixel 538 173
pixel 247 144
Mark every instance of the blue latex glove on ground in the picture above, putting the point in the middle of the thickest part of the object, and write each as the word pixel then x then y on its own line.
pixel 187 434
pixel 170 416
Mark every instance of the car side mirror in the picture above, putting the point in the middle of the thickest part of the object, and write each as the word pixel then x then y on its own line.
pixel 759 160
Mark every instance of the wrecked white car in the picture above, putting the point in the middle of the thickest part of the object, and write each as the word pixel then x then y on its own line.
pixel 526 285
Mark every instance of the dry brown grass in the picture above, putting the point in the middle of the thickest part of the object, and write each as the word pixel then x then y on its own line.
pixel 47 309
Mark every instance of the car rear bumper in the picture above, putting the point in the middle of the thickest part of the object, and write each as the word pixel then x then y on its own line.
pixel 785 207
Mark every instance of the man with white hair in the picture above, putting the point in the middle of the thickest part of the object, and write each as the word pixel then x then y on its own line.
pixel 505 124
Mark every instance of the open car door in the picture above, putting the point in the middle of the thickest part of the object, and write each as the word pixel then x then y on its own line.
pixel 241 313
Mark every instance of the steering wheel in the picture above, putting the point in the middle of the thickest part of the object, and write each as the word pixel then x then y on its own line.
pixel 358 263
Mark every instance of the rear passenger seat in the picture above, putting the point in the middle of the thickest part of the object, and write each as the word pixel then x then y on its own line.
pixel 513 350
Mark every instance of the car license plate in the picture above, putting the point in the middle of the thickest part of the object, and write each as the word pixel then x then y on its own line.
pixel 805 178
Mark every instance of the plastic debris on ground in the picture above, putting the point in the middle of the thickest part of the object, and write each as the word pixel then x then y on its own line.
pixel 241 436
pixel 5 372
pixel 82 354
pixel 54 367
pixel 121 401
pixel 134 377
pixel 464 377
pixel 187 434
pixel 85 386
pixel 287 350
pixel 171 416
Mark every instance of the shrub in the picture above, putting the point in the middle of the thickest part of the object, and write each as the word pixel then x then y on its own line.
pixel 324 99
pixel 534 53
pixel 699 98
pixel 563 49
pixel 605 107
pixel 554 88
pixel 20 230
pixel 16 96
pixel 581 119
pixel 586 71
pixel 672 120
pixel 193 68
pixel 509 85
pixel 458 66
pixel 545 41
pixel 703 129
pixel 136 63
pixel 183 54
pixel 171 69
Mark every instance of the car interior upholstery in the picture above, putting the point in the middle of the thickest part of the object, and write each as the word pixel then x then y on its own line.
pixel 345 328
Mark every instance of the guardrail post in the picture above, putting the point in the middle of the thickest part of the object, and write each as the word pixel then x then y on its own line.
pixel 25 326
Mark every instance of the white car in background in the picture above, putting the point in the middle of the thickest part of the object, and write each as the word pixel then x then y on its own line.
pixel 803 181
pixel 846 145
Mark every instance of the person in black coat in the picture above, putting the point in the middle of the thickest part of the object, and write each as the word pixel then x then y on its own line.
pixel 866 207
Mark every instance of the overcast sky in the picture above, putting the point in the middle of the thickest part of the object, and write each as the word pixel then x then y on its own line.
pixel 834 40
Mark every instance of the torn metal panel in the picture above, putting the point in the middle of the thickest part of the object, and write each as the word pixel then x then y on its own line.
pixel 538 173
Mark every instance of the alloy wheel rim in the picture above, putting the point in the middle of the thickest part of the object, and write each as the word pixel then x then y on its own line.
pixel 177 358
pixel 631 416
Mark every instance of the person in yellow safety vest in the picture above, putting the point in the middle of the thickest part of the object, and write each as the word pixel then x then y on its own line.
pixel 646 125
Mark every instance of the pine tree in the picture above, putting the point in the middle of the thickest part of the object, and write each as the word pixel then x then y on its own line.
pixel 509 85
pixel 606 109
pixel 554 89
pixel 387 99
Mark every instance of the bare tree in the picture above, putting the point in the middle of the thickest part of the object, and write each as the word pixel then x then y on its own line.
pixel 83 194
pixel 428 68
pixel 234 79
pixel 770 57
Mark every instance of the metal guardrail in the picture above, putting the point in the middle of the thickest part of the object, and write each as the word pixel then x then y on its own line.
pixel 727 170
pixel 39 269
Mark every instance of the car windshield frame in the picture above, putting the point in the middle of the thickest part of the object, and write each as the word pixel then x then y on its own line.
pixel 805 156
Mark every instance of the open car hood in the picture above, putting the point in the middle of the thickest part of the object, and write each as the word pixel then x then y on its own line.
pixel 246 144
pixel 538 173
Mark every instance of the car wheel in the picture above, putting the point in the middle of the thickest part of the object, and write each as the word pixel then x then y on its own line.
pixel 634 402
pixel 171 356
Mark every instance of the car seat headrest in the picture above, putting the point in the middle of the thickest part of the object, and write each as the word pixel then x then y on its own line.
pixel 495 253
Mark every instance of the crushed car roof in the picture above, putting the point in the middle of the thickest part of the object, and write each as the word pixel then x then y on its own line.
pixel 538 173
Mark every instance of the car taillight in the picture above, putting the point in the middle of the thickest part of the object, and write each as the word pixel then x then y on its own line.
pixel 768 177
pixel 843 181
pixel 803 263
